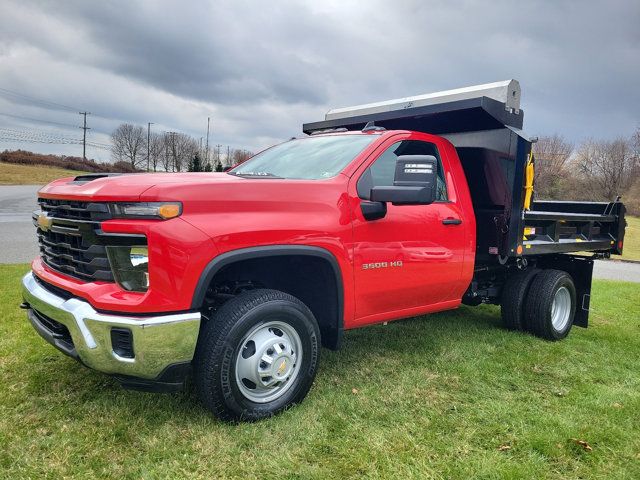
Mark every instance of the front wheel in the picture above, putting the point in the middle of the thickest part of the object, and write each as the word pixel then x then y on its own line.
pixel 258 355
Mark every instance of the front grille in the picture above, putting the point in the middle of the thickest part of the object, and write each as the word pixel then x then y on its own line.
pixel 72 210
pixel 70 243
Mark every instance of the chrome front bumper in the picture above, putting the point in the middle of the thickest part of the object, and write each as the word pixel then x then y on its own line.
pixel 158 341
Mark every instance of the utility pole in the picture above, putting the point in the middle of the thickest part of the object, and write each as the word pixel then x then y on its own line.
pixel 206 152
pixel 218 162
pixel 84 134
pixel 148 141
pixel 228 157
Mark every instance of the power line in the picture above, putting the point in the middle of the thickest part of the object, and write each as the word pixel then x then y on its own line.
pixel 47 141
pixel 38 120
pixel 31 133
pixel 11 135
pixel 44 103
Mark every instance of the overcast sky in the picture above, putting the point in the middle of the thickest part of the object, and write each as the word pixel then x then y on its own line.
pixel 260 69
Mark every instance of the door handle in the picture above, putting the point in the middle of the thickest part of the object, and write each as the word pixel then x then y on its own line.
pixel 451 221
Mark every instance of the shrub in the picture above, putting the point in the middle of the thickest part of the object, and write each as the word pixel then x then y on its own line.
pixel 22 157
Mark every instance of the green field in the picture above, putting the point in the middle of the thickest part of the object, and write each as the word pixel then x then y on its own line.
pixel 12 174
pixel 443 396
pixel 631 250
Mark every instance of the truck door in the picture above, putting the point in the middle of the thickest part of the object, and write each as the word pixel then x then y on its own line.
pixel 411 258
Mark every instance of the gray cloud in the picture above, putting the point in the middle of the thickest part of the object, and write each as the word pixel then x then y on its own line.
pixel 260 70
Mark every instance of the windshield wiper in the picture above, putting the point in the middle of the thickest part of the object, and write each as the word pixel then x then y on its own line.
pixel 256 174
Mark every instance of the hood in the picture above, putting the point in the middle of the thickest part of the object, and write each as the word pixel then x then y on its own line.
pixel 124 188
pixel 199 189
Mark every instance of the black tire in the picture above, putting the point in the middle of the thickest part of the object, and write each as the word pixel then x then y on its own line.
pixel 221 339
pixel 513 298
pixel 540 299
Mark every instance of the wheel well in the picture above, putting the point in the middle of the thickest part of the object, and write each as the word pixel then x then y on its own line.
pixel 312 279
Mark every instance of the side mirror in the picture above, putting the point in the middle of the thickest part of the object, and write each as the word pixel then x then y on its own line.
pixel 414 182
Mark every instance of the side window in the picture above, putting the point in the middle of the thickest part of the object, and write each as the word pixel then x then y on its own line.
pixel 382 171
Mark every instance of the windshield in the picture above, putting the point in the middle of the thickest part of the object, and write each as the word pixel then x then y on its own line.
pixel 311 158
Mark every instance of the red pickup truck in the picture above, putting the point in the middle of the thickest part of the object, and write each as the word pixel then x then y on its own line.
pixel 382 212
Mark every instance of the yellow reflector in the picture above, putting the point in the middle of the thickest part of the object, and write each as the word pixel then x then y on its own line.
pixel 169 210
pixel 529 230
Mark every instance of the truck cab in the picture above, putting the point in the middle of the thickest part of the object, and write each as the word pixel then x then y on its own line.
pixel 380 212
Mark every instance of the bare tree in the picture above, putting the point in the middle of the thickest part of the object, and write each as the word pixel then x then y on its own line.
pixel 552 154
pixel 181 149
pixel 156 150
pixel 165 156
pixel 128 144
pixel 239 156
pixel 610 166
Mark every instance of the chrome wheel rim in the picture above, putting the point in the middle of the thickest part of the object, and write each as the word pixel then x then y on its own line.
pixel 268 361
pixel 561 309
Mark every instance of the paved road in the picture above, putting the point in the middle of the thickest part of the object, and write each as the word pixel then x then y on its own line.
pixel 18 240
pixel 616 270
pixel 17 233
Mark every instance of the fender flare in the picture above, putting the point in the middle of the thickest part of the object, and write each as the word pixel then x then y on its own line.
pixel 233 256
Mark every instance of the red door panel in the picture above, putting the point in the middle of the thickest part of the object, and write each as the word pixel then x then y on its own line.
pixel 409 259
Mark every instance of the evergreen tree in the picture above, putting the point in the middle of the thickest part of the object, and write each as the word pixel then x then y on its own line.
pixel 207 167
pixel 195 165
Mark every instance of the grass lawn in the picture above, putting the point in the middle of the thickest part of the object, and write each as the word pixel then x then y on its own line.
pixel 443 396
pixel 12 174
pixel 631 249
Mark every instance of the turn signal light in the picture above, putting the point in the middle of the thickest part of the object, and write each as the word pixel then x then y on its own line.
pixel 169 210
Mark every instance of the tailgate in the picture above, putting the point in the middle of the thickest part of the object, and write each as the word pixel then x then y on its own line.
pixel 561 227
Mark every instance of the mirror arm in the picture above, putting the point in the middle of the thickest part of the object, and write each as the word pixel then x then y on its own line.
pixel 373 210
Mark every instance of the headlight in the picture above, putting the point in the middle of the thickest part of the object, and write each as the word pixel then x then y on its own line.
pixel 163 210
pixel 130 267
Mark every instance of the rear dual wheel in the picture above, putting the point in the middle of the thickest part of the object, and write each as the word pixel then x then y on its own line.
pixel 542 302
pixel 551 305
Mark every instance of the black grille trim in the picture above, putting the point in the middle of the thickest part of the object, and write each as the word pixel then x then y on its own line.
pixel 73 242
pixel 73 210
pixel 73 248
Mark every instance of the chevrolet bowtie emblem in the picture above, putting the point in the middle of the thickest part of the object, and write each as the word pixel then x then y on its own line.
pixel 44 222
pixel 282 367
